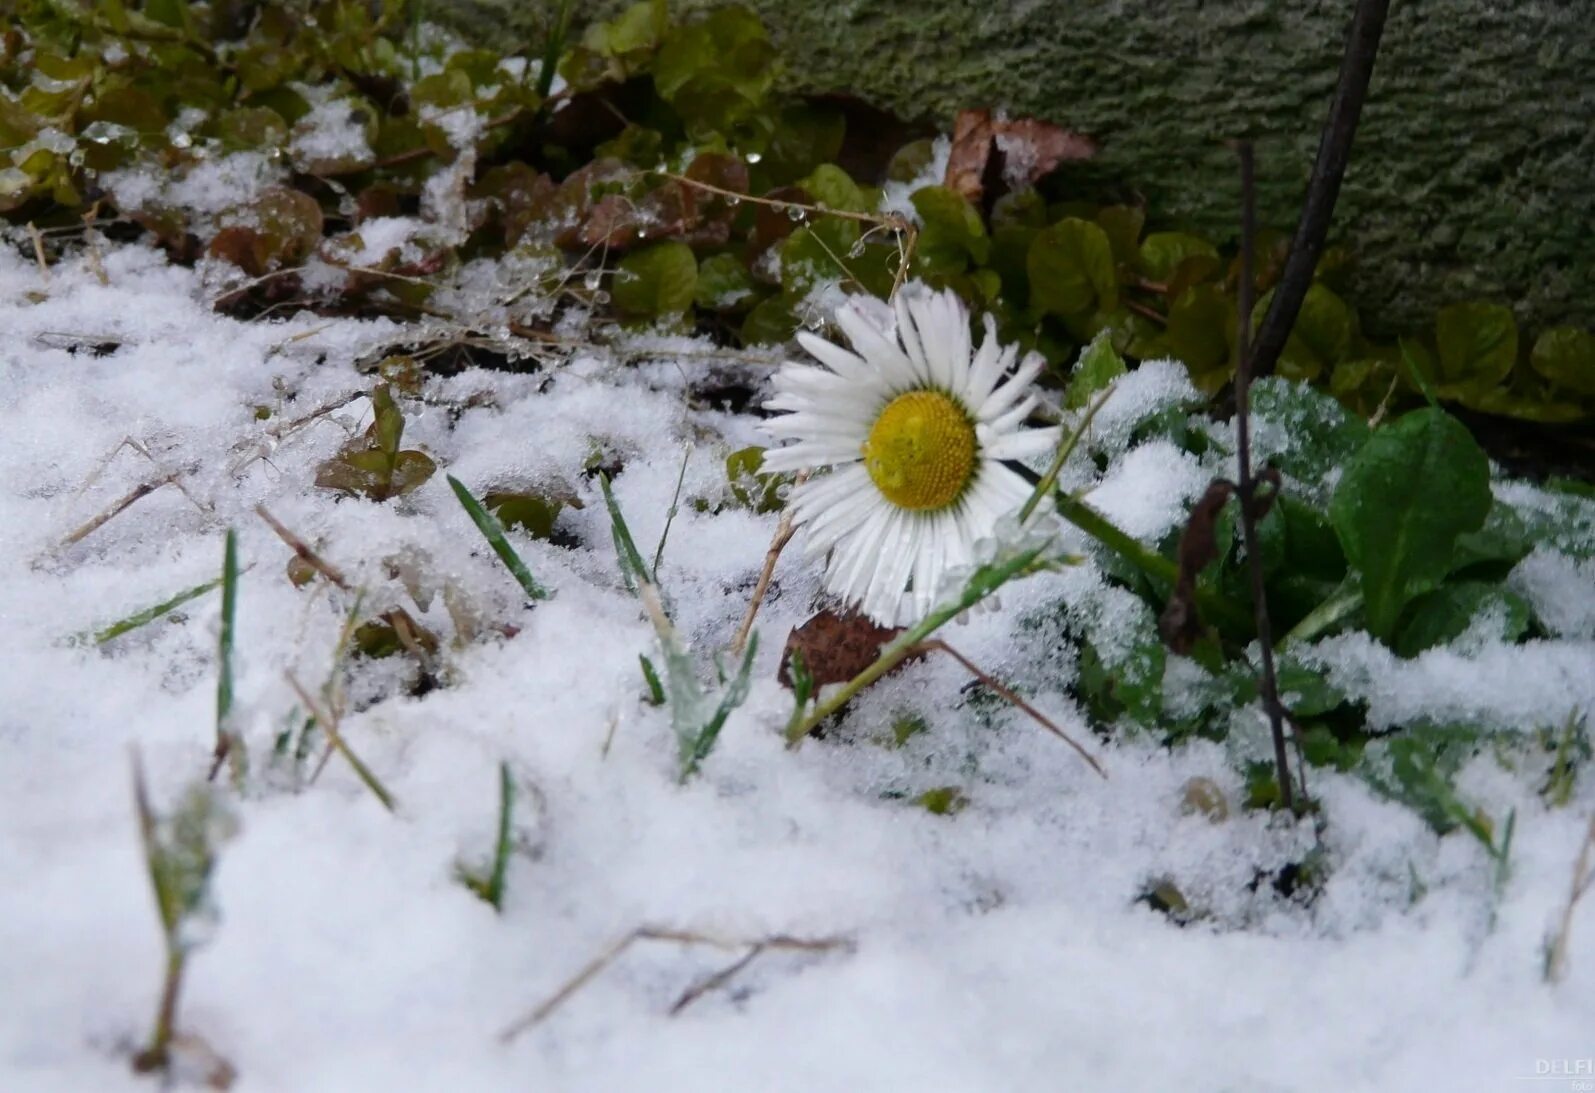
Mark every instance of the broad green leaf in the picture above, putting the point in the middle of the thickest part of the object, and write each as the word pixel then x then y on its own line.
pixel 1071 269
pixel 1098 367
pixel 951 233
pixel 1198 335
pixel 724 284
pixel 658 280
pixel 1565 355
pixel 1162 253
pixel 1442 615
pixel 1477 345
pixel 771 322
pixel 1308 433
pixel 1123 224
pixel 1324 334
pixel 1403 501
pixel 831 187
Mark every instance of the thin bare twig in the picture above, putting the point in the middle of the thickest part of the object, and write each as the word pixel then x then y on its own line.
pixel 329 725
pixel 783 535
pixel 38 253
pixel 1009 696
pixel 717 980
pixel 1583 879
pixel 1246 487
pixel 1323 188
pixel 680 937
pixel 303 550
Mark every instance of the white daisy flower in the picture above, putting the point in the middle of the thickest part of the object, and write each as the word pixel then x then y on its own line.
pixel 905 437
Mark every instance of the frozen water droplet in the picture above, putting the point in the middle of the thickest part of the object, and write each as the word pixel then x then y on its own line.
pixel 754 157
pixel 795 214
pixel 856 249
pixel 733 201
pixel 592 281
pixel 642 233
pixel 600 297
pixel 182 140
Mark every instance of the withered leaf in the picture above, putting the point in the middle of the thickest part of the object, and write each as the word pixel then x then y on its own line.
pixel 1180 625
pixel 836 646
pixel 1027 149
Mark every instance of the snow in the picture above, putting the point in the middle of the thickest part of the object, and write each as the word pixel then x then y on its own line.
pixel 1003 947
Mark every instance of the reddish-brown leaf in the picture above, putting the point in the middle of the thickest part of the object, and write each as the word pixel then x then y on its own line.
pixel 1019 151
pixel 836 646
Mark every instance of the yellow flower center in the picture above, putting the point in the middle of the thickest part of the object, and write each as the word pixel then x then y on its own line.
pixel 921 450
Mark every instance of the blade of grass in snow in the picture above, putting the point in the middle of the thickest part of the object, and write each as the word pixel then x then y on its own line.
pixel 697 726
pixel 670 516
pixel 501 851
pixel 229 748
pixel 493 532
pixel 148 615
pixel 695 750
pixel 554 48
pixel 656 690
pixel 329 726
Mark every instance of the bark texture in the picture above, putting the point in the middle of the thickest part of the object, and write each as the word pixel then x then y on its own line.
pixel 1473 173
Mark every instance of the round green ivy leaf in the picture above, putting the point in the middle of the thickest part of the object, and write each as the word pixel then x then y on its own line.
pixel 1071 269
pixel 657 280
pixel 1565 355
pixel 1477 343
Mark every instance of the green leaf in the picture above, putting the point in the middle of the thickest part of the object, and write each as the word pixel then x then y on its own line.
pixel 1071 269
pixel 769 323
pixel 951 234
pixel 1123 224
pixel 1198 335
pixel 1565 355
pixel 1163 252
pixel 1477 345
pixel 1324 334
pixel 658 280
pixel 1403 501
pixel 1444 614
pixel 1316 431
pixel 832 188
pixel 724 284
pixel 493 532
pixel 1099 365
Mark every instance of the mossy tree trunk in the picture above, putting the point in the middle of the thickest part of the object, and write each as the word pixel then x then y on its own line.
pixel 1473 175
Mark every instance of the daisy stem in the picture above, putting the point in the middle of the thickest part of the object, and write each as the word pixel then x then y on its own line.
pixel 983 583
pixel 1065 450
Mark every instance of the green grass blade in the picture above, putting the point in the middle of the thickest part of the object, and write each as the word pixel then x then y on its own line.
pixel 656 690
pixel 632 567
pixel 697 749
pixel 501 850
pixel 554 47
pixel 150 614
pixel 493 532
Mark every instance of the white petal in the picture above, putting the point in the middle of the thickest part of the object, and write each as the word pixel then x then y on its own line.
pixel 942 327
pixel 1015 389
pixel 988 367
pixel 802 457
pixel 848 366
pixel 1020 444
pixel 882 352
pixel 861 554
pixel 884 601
pixel 828 489
pixel 908 334
pixel 1010 421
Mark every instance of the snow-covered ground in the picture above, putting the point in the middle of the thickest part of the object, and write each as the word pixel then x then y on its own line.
pixel 999 948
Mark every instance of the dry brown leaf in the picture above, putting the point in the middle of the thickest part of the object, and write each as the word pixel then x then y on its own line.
pixel 1008 153
pixel 836 647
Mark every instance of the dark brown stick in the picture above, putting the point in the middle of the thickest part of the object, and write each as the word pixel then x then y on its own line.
pixel 1323 188
pixel 1248 483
